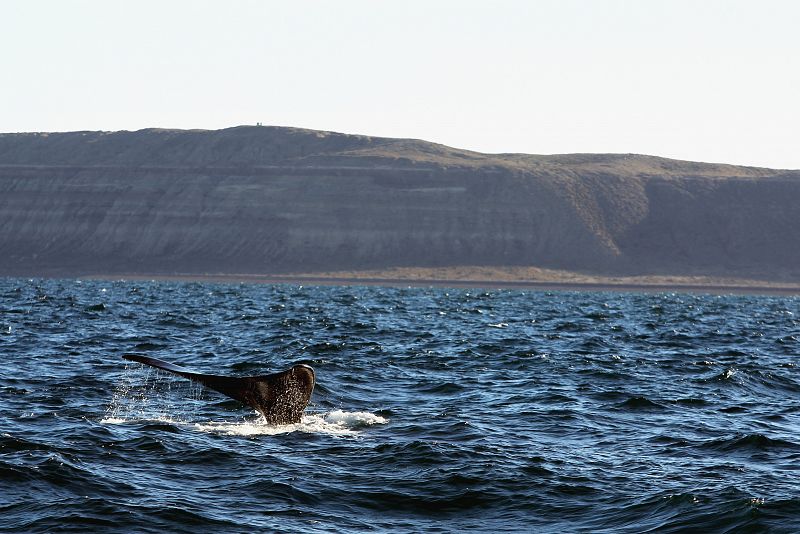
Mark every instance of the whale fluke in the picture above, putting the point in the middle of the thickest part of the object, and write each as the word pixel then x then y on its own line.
pixel 280 397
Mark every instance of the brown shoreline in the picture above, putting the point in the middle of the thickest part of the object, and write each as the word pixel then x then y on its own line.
pixel 539 285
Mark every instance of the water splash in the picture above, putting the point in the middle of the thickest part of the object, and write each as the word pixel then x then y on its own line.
pixel 148 394
pixel 337 422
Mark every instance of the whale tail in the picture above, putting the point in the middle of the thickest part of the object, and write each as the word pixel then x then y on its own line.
pixel 280 397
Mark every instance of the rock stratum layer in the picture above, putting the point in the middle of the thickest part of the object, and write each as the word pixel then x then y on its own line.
pixel 252 200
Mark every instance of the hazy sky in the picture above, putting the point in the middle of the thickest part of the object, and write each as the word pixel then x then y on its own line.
pixel 699 79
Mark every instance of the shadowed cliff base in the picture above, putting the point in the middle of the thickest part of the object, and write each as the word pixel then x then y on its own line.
pixel 250 201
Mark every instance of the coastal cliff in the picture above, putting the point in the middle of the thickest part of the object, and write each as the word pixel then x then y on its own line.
pixel 256 200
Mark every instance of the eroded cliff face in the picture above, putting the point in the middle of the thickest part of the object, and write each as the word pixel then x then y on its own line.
pixel 275 200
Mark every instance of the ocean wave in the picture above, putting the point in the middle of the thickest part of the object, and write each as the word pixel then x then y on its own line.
pixel 729 511
pixel 640 403
pixel 750 443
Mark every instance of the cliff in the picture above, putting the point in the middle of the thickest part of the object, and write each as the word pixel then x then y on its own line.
pixel 282 200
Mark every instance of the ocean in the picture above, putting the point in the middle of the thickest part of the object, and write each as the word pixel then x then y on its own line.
pixel 435 410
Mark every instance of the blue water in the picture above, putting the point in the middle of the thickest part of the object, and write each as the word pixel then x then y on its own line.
pixel 435 410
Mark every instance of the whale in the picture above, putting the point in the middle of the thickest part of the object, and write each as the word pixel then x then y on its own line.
pixel 280 397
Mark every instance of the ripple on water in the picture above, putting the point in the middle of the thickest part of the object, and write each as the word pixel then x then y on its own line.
pixel 434 410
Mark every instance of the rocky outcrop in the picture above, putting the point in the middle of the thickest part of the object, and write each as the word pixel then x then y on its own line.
pixel 279 200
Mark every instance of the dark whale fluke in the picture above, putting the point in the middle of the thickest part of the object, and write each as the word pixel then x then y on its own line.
pixel 280 397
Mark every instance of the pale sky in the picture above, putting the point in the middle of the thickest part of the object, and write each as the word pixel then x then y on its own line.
pixel 703 80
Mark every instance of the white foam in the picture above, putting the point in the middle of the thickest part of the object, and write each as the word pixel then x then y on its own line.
pixel 336 422
pixel 112 420
pixel 117 420
pixel 354 418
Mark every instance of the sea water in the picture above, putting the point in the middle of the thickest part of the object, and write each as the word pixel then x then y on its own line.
pixel 435 410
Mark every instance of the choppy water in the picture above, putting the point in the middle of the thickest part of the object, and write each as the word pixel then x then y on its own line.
pixel 435 410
